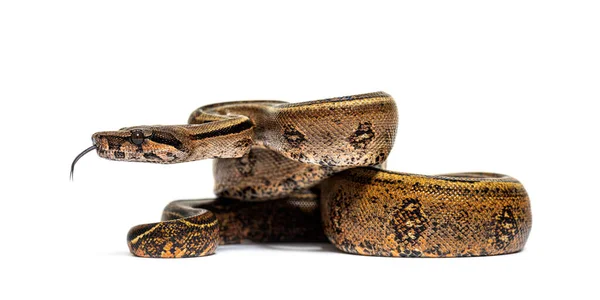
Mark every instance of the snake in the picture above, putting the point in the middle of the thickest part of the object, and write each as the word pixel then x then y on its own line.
pixel 314 171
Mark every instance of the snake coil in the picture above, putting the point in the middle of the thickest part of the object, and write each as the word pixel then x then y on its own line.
pixel 313 171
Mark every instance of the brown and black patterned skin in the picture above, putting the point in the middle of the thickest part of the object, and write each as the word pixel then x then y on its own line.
pixel 346 132
pixel 296 218
pixel 313 139
pixel 263 175
pixel 283 169
pixel 370 211
pixel 194 235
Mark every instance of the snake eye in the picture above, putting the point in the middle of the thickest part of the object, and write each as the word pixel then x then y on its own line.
pixel 137 137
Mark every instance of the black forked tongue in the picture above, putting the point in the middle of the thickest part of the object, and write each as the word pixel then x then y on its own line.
pixel 78 157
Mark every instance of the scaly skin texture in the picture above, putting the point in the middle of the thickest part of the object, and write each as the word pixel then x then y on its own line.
pixel 264 174
pixel 295 218
pixel 346 132
pixel 270 158
pixel 373 212
pixel 300 144
pixel 194 235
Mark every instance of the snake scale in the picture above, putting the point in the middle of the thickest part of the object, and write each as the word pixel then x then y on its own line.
pixel 314 171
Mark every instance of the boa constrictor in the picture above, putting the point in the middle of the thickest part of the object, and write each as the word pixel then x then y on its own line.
pixel 313 171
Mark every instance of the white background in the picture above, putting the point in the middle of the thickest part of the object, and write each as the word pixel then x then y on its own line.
pixel 507 87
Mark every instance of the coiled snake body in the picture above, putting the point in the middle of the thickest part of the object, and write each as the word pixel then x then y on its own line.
pixel 312 171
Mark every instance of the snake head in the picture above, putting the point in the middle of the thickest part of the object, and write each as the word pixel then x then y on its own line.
pixel 155 144
pixel 174 143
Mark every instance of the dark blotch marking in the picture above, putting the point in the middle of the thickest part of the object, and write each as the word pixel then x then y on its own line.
pixel 505 228
pixel 411 253
pixel 298 156
pixel 119 154
pixel 245 165
pixel 115 142
pixel 380 158
pixel 167 139
pixel 368 247
pixel 408 232
pixel 348 246
pixel 237 128
pixel 294 137
pixel 338 210
pixel 243 143
pixel 436 250
pixel 458 179
pixel 152 156
pixel 362 136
